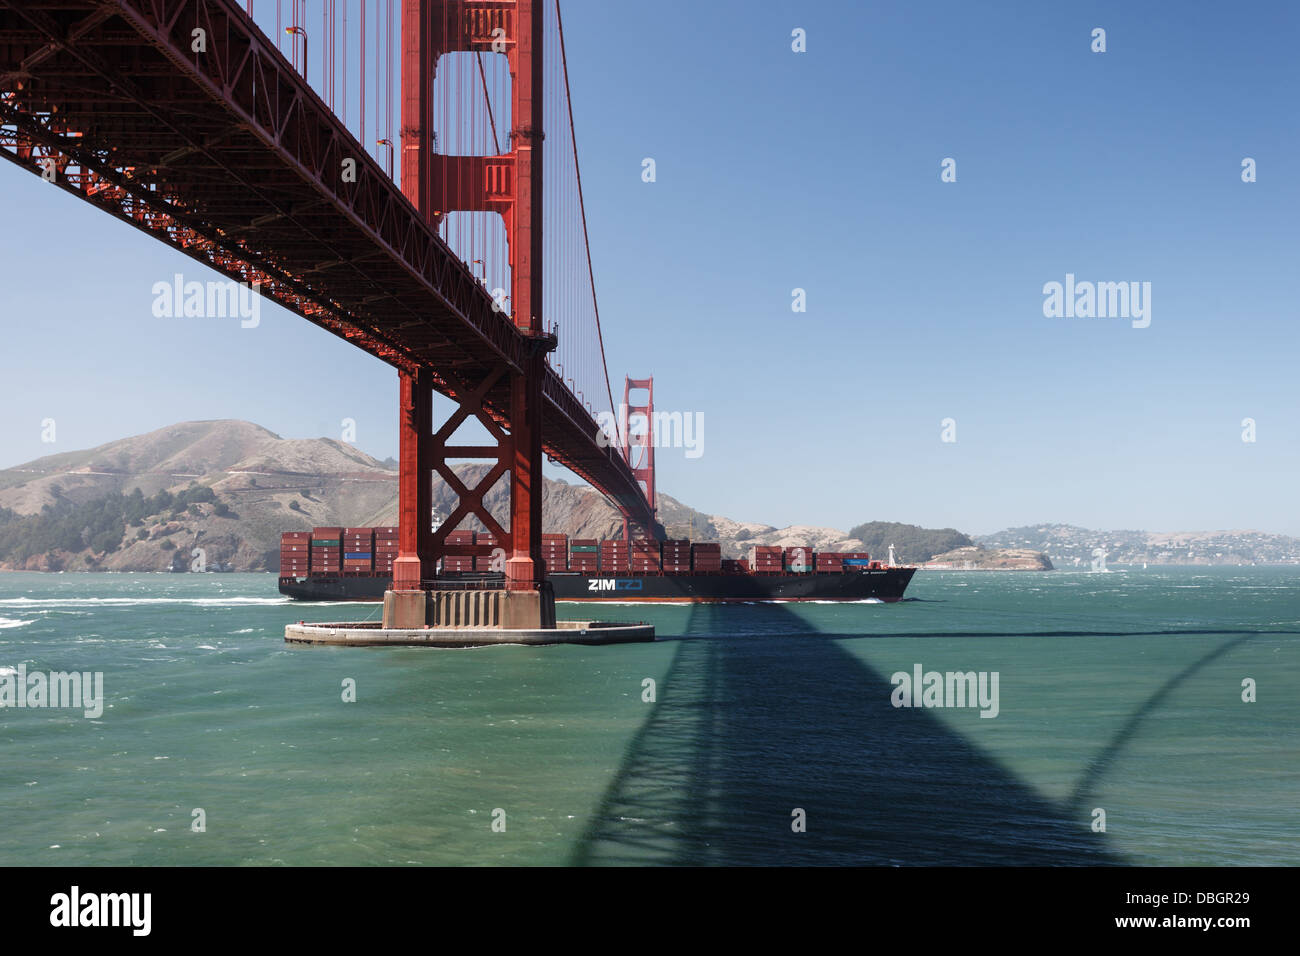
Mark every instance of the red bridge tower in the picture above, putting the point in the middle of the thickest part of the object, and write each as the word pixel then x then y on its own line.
pixel 510 185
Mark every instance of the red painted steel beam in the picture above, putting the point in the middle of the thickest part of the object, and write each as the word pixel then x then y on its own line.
pixel 414 491
pixel 416 558
pixel 524 568
pixel 470 500
pixel 232 159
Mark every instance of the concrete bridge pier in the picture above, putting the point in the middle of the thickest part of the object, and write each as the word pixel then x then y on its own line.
pixel 487 608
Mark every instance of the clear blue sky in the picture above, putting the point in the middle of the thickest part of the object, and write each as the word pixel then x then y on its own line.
pixel 821 171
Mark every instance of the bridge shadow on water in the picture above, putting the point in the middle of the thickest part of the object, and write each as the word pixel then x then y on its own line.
pixel 748 729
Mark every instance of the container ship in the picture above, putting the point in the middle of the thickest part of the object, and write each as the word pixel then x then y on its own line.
pixel 356 564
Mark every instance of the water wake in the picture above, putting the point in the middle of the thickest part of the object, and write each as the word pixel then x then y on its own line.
pixel 139 602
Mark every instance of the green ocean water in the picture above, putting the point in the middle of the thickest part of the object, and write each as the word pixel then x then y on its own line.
pixel 1120 692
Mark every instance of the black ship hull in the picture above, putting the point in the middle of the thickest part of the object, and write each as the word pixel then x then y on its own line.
pixel 880 584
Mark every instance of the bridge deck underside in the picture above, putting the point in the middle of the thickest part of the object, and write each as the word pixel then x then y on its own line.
pixel 230 157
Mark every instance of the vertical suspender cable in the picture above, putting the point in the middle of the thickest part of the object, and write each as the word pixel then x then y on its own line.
pixel 363 75
pixel 345 64
pixel 586 239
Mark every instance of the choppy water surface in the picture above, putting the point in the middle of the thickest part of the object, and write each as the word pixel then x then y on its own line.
pixel 1120 692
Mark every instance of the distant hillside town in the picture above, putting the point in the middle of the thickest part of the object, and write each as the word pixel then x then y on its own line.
pixel 1069 546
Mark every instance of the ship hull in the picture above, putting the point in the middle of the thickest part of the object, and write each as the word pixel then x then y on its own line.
pixel 880 584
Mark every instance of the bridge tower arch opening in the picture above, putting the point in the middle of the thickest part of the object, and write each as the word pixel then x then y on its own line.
pixel 508 184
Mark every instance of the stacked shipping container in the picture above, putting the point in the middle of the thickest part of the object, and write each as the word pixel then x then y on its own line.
pixel 614 557
pixel 584 555
pixel 765 559
pixel 359 550
pixel 458 558
pixel 385 550
pixel 646 557
pixel 799 559
pixel 295 551
pixel 483 560
pixel 676 556
pixel 555 551
pixel 830 561
pixel 833 561
pixel 706 558
pixel 326 550
pixel 330 550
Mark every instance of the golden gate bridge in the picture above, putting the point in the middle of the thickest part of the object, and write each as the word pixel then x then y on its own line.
pixel 258 138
